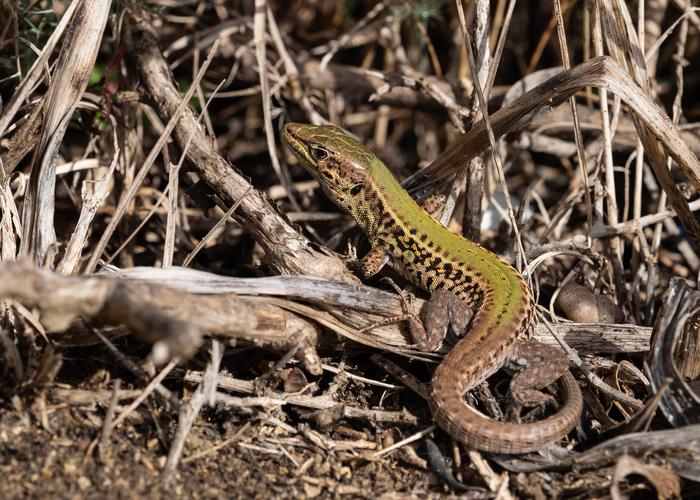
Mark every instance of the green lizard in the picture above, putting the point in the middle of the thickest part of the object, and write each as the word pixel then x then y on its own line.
pixel 470 287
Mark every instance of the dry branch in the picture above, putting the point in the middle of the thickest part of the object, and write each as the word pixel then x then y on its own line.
pixel 36 72
pixel 324 402
pixel 599 72
pixel 364 306
pixel 286 249
pixel 673 359
pixel 174 320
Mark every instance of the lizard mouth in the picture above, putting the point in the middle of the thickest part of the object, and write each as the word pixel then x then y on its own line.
pixel 290 134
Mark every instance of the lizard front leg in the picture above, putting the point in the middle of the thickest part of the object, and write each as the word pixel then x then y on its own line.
pixel 443 310
pixel 373 261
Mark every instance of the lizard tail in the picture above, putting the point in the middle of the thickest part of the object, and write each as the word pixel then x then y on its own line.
pixel 463 369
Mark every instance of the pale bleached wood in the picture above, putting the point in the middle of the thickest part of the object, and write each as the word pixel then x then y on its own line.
pixel 73 69
pixel 363 305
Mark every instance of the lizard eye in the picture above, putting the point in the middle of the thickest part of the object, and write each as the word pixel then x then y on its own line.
pixel 355 190
pixel 318 154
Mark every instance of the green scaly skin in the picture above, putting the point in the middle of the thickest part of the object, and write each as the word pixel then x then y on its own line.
pixel 435 259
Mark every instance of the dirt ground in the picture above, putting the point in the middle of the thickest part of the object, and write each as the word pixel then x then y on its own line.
pixel 228 454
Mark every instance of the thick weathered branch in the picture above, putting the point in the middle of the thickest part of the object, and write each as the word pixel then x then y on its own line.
pixel 287 250
pixel 173 319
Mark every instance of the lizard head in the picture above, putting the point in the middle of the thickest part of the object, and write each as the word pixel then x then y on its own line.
pixel 340 164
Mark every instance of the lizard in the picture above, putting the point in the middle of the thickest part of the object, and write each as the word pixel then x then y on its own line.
pixel 471 289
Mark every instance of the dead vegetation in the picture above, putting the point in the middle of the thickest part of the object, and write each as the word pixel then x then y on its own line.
pixel 178 316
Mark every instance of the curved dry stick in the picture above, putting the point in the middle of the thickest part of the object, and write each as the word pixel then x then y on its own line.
pixel 599 72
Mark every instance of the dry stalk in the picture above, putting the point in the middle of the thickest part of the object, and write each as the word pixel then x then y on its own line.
pixel 67 86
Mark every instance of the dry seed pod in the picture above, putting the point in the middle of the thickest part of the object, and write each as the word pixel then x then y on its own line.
pixel 294 380
pixel 579 304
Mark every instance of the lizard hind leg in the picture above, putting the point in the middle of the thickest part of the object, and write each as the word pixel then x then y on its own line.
pixel 443 311
pixel 540 365
pixel 446 310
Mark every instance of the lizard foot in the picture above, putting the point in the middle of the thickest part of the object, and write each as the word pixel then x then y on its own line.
pixel 540 366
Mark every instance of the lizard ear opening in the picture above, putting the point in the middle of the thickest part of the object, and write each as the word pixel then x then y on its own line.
pixel 355 190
